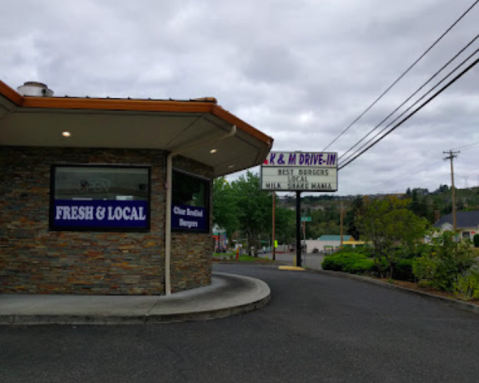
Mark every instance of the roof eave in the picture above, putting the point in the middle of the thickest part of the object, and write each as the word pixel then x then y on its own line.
pixel 207 105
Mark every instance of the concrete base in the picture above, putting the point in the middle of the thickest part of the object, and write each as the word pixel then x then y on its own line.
pixel 227 295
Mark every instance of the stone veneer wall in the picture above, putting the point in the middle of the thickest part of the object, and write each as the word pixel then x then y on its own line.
pixel 36 260
pixel 192 250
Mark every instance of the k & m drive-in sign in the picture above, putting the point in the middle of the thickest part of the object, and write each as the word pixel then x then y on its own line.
pixel 305 171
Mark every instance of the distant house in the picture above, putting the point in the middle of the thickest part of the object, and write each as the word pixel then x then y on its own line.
pixel 467 223
pixel 326 242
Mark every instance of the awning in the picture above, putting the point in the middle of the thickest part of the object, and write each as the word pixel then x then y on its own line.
pixel 131 124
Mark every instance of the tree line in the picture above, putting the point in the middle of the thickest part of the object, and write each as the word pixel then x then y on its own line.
pixel 245 211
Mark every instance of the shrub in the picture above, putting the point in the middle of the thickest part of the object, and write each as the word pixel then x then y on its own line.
pixel 348 262
pixel 332 262
pixel 466 287
pixel 476 240
pixel 444 262
pixel 403 270
pixel 360 266
pixel 418 251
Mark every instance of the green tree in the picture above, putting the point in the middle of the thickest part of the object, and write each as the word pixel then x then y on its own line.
pixel 392 229
pixel 285 225
pixel 352 217
pixel 225 209
pixel 254 208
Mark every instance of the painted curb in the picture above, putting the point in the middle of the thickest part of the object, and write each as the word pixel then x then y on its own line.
pixel 448 301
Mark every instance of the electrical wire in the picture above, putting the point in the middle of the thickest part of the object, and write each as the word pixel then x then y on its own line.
pixel 414 104
pixel 412 95
pixel 457 77
pixel 402 75
pixel 466 146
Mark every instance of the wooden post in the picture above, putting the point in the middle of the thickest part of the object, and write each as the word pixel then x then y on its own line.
pixel 341 222
pixel 451 157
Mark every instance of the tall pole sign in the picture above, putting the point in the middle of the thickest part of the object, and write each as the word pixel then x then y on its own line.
pixel 300 172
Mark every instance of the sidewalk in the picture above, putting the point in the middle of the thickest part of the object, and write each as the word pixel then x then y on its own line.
pixel 227 295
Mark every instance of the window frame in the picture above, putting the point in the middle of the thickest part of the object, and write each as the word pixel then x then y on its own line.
pixel 51 223
pixel 207 181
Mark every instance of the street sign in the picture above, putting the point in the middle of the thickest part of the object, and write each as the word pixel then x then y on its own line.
pixel 305 219
pixel 301 171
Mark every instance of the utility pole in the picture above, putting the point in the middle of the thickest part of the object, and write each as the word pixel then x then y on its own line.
pixel 451 156
pixel 341 222
pixel 274 226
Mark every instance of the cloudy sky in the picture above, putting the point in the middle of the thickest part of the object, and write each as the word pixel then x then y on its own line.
pixel 300 71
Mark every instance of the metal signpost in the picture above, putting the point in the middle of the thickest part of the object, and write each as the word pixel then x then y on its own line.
pixel 300 171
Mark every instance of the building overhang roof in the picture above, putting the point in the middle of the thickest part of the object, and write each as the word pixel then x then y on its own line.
pixel 132 124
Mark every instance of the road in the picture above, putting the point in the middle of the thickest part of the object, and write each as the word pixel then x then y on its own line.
pixel 311 261
pixel 317 328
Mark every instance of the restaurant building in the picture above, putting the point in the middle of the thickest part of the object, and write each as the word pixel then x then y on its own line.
pixel 112 196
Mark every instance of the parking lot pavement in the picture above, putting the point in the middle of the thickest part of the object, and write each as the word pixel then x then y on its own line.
pixel 316 328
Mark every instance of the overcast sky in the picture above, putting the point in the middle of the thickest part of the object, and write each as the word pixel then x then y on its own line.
pixel 300 71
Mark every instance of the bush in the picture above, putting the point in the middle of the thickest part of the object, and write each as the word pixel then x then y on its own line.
pixel 476 240
pixel 348 262
pixel 444 262
pixel 466 287
pixel 419 251
pixel 361 266
pixel 403 270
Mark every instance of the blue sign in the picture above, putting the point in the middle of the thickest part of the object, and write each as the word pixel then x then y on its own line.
pixel 192 218
pixel 111 214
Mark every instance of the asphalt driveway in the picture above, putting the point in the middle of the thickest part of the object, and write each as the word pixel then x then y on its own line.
pixel 317 328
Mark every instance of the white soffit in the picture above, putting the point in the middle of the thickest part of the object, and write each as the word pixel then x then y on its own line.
pixel 133 130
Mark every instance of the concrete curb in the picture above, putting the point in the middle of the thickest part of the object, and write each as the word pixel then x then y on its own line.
pixel 450 302
pixel 258 296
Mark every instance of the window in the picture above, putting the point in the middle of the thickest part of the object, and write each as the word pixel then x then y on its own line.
pixel 190 203
pixel 100 197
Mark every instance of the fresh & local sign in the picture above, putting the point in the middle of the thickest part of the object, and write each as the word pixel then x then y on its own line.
pixel 93 214
pixel 303 171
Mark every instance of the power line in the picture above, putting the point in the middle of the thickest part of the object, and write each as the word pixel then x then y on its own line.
pixel 413 112
pixel 465 146
pixel 411 106
pixel 402 75
pixel 412 95
pixel 414 104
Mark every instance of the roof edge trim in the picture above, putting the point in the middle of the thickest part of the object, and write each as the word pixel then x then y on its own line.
pixel 11 94
pixel 207 105
pixel 219 112
pixel 117 104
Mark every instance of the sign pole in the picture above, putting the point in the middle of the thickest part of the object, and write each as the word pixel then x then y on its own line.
pixel 298 228
pixel 274 228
